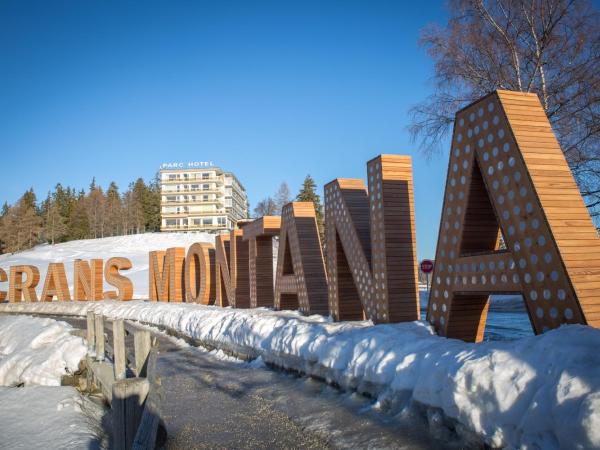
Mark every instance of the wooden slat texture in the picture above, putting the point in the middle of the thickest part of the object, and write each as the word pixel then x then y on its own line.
pixel 259 237
pixel 232 270
pixel 199 274
pixel 114 278
pixel 371 257
pixel 19 288
pixel 507 174
pixel 166 275
pixel 3 279
pixel 56 284
pixel 88 279
pixel 301 281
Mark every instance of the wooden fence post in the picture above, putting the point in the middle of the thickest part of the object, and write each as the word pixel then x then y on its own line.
pixel 128 400
pixel 90 331
pixel 141 344
pixel 119 349
pixel 99 337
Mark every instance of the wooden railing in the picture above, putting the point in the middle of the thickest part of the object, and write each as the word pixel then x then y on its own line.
pixel 108 369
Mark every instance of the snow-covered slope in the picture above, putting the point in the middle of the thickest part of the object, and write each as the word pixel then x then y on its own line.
pixel 134 247
pixel 44 418
pixel 37 351
pixel 537 392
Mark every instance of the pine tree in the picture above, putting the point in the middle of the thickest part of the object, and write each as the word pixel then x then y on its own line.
pixel 308 193
pixel 79 227
pixel 55 226
pixel 114 210
pixel 151 205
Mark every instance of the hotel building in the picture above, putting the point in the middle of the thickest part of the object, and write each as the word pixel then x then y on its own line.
pixel 200 197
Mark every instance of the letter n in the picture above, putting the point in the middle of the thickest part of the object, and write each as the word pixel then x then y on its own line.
pixel 301 281
pixel 88 281
pixel 231 269
pixel 371 254
pixel 508 177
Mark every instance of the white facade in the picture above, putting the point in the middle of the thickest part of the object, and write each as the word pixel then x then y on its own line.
pixel 201 199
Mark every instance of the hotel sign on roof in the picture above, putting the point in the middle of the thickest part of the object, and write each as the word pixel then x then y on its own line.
pixel 188 165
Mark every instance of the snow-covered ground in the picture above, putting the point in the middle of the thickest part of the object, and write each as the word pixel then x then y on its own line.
pixel 134 247
pixel 42 417
pixel 37 351
pixel 534 392
pixel 537 392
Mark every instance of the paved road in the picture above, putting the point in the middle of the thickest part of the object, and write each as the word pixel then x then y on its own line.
pixel 208 402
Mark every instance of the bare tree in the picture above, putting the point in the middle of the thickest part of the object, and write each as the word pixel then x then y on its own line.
pixel 282 196
pixel 550 47
pixel 266 207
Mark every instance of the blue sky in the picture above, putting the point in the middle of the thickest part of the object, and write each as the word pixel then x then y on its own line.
pixel 269 90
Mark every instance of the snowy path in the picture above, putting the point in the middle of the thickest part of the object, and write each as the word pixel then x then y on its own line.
pixel 207 399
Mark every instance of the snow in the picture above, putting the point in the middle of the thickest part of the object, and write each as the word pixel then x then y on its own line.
pixel 135 247
pixel 537 392
pixel 41 417
pixel 37 351
pixel 534 392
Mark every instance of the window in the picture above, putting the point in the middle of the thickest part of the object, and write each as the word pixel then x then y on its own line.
pixel 205 198
pixel 171 222
pixel 206 187
pixel 195 187
pixel 171 198
pixel 221 221
pixel 205 176
pixel 208 221
pixel 197 221
pixel 172 177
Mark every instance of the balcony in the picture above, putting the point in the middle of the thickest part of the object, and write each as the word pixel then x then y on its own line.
pixel 198 191
pixel 193 227
pixel 192 214
pixel 192 180
pixel 215 201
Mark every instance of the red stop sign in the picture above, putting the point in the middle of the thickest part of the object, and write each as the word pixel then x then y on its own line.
pixel 427 266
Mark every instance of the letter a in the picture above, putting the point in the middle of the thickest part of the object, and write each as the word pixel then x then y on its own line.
pixel 301 281
pixel 371 255
pixel 508 177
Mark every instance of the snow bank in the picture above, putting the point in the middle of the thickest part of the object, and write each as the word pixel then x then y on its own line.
pixel 537 392
pixel 36 351
pixel 135 247
pixel 44 418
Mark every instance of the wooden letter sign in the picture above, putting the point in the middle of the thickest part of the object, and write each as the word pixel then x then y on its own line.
pixel 114 278
pixel 3 279
pixel 508 176
pixel 200 273
pixel 166 281
pixel 301 281
pixel 231 270
pixel 18 289
pixel 371 254
pixel 56 283
pixel 88 280
pixel 259 235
